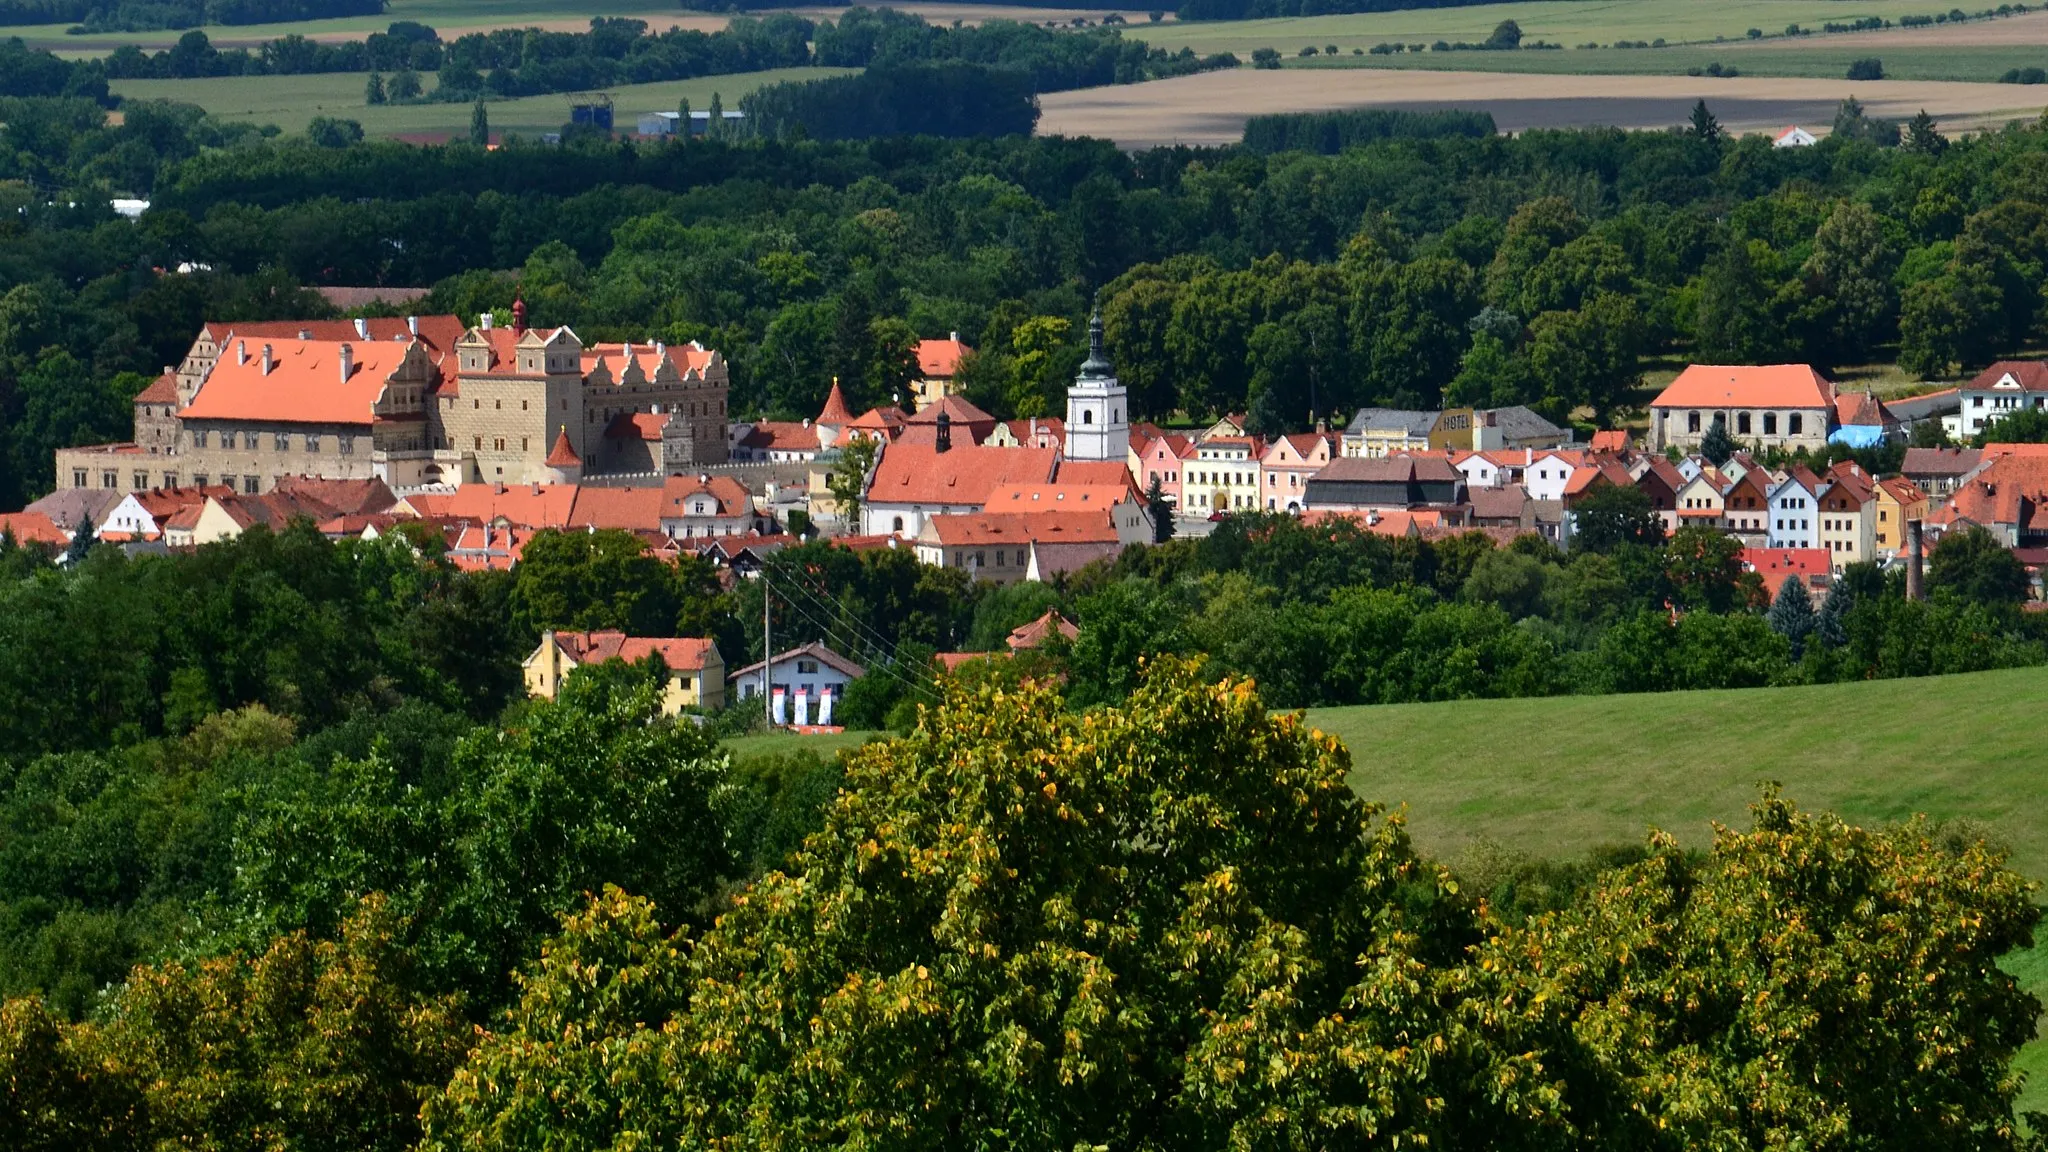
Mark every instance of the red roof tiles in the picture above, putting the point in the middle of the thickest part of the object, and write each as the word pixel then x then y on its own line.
pixel 940 359
pixel 917 473
pixel 1746 386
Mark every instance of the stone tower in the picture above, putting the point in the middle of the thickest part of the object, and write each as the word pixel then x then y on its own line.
pixel 1098 425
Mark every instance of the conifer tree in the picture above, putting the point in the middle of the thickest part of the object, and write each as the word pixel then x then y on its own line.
pixel 1717 445
pixel 683 118
pixel 717 125
pixel 1704 125
pixel 1828 627
pixel 480 125
pixel 81 541
pixel 373 92
pixel 1791 614
pixel 1162 516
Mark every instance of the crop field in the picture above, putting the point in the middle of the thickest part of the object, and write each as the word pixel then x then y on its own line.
pixel 1821 58
pixel 1211 108
pixel 291 101
pixel 452 18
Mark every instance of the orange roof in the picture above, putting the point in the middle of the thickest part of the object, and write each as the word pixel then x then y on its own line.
pixel 1902 490
pixel 525 505
pixel 2022 450
pixel 620 358
pixel 887 420
pixel 781 436
pixel 1384 523
pixel 631 509
pixel 33 528
pixel 438 333
pixel 1023 528
pixel 562 455
pixel 941 358
pixel 634 426
pixel 1584 476
pixel 918 473
pixel 1038 631
pixel 2011 489
pixel 681 655
pixel 305 384
pixel 1743 386
pixel 338 496
pixel 1610 440
pixel 964 416
pixel 1057 497
pixel 1100 473
pixel 1861 408
pixel 161 502
pixel 162 390
pixel 835 413
pixel 1776 565
pixel 731 496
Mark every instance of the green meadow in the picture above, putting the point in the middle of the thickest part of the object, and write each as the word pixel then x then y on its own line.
pixel 291 101
pixel 438 13
pixel 1983 63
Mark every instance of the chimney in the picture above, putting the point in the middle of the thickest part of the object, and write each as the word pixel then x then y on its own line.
pixel 241 351
pixel 412 325
pixel 1916 553
pixel 945 431
pixel 954 336
pixel 484 322
pixel 267 361
pixel 305 333
pixel 348 361
pixel 362 328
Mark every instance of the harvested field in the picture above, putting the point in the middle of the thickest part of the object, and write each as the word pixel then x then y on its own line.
pixel 1212 108
pixel 2031 28
pixel 1821 59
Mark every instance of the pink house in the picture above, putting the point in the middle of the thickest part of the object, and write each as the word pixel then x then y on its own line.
pixel 1288 463
pixel 1160 459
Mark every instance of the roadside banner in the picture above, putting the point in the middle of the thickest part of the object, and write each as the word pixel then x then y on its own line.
pixel 803 708
pixel 775 709
pixel 825 707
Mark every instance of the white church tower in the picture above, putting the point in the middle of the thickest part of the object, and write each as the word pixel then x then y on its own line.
pixel 1098 425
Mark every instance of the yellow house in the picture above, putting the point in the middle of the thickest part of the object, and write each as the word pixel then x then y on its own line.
pixel 1898 500
pixel 696 671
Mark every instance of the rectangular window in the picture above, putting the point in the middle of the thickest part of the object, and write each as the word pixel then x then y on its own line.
pixel 312 442
pixel 110 480
pixel 346 445
pixel 479 443
pixel 1742 423
pixel 1770 423
pixel 249 485
pixel 199 479
pixel 1976 401
pixel 78 477
pixel 282 442
pixel 249 441
pixel 141 481
pixel 1692 421
pixel 1795 424
pixel 498 444
pixel 170 479
pixel 199 437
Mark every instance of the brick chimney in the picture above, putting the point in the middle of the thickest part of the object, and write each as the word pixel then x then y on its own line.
pixel 348 361
pixel 1916 555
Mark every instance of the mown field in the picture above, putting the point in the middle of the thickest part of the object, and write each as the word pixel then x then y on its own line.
pixel 291 101
pixel 1819 59
pixel 1558 777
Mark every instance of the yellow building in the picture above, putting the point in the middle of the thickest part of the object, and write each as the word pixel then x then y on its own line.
pixel 696 671
pixel 1898 500
pixel 938 370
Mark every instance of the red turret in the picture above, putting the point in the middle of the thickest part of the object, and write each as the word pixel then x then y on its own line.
pixel 836 413
pixel 518 314
pixel 563 456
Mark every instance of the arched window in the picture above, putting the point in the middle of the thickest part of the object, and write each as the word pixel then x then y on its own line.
pixel 1115 414
pixel 1742 423
pixel 1770 423
pixel 1088 416
pixel 1794 424
pixel 1692 421
pixel 896 524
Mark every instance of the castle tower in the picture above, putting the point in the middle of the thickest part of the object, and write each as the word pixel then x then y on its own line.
pixel 1098 425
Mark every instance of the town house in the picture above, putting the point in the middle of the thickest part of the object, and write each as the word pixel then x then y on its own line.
pixel 1795 510
pixel 1847 516
pixel 1897 501
pixel 1285 469
pixel 1784 406
pixel 1998 391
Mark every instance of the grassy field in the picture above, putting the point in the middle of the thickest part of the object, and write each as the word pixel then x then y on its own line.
pixel 290 101
pixel 1819 59
pixel 778 743
pixel 1567 22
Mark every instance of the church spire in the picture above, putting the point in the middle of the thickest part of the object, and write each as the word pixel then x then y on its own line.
pixel 1097 366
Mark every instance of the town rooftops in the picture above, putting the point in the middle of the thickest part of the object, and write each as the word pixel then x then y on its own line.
pixel 1026 636
pixel 1776 565
pixel 977 529
pixel 526 505
pixel 439 333
pixel 728 496
pixel 32 528
pixel 1520 422
pixel 68 507
pixel 940 359
pixel 1416 424
pixel 340 497
pixel 1059 497
pixel 1746 386
pixel 1610 440
pixel 1941 461
pixel 682 655
pixel 626 509
pixel 1389 470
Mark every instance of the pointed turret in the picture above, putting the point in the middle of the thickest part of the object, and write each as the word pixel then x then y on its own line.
pixel 837 413
pixel 518 313
pixel 563 464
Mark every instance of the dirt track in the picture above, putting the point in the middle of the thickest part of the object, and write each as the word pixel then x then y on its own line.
pixel 1211 108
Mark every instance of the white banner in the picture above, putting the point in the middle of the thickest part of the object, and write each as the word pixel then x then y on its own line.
pixel 825 707
pixel 775 695
pixel 803 707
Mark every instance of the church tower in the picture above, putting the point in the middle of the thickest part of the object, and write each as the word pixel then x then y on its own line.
pixel 1098 427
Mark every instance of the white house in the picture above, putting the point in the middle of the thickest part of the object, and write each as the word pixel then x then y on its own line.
pixel 810 682
pixel 1794 519
pixel 1547 474
pixel 1998 391
pixel 706 505
pixel 1795 137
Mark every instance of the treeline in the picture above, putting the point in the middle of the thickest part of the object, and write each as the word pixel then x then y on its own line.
pixel 513 62
pixel 1329 133
pixel 151 15
pixel 1266 9
pixel 375 921
pixel 950 99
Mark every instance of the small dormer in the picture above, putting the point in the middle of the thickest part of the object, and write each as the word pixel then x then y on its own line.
pixel 561 353
pixel 473 352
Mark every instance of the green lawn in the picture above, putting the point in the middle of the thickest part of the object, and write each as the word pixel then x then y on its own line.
pixel 438 13
pixel 1815 60
pixel 1567 22
pixel 778 743
pixel 290 101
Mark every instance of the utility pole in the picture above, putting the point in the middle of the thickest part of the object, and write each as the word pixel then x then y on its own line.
pixel 767 651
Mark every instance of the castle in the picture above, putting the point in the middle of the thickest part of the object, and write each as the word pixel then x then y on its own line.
pixel 415 402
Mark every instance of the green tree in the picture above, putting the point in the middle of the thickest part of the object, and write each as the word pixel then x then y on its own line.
pixel 479 125
pixel 1791 614
pixel 1718 444
pixel 1588 357
pixel 1703 125
pixel 405 85
pixel 2019 426
pixel 1704 566
pixel 1971 565
pixel 848 479
pixel 1852 268
pixel 1923 137
pixel 1829 624
pixel 608 579
pixel 1742 305
pixel 62 403
pixel 1612 515
pixel 1135 323
pixel 373 91
pixel 1160 510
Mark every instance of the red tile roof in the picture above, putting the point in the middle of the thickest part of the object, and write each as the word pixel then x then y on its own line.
pixel 526 505
pixel 940 358
pixel 1610 440
pixel 835 412
pixel 33 528
pixel 681 655
pixel 562 455
pixel 304 385
pixel 1040 630
pixel 631 509
pixel 781 436
pixel 1776 565
pixel 162 390
pixel 338 497
pixel 634 426
pixel 915 473
pixel 731 496
pixel 2011 490
pixel 439 333
pixel 1861 408
pixel 998 528
pixel 887 421
pixel 161 502
pixel 2030 375
pixel 1744 386
pixel 1059 497
pixel 1097 473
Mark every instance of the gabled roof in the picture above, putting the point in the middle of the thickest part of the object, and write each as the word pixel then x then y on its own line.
pixel 1098 473
pixel 68 507
pixel 1610 440
pixel 1520 422
pixel 1746 386
pixel 781 436
pixel 1902 490
pixel 1940 461
pixel 338 497
pixel 974 529
pixel 916 473
pixel 815 651
pixel 1403 469
pixel 1059 497
pixel 887 420
pixel 32 528
pixel 1040 630
pixel 1777 565
pixel 439 333
pixel 630 426
pixel 2011 490
pixel 1298 445
pixel 525 505
pixel 162 390
pixel 962 414
pixel 730 496
pixel 1861 408
pixel 941 358
pixel 2025 375
pixel 630 509
pixel 161 502
pixel 1507 502
pixel 681 655
pixel 1403 420
pixel 305 384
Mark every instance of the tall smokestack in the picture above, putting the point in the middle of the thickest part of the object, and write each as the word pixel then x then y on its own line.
pixel 1916 552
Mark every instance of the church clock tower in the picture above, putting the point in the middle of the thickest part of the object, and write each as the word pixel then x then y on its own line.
pixel 1098 425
